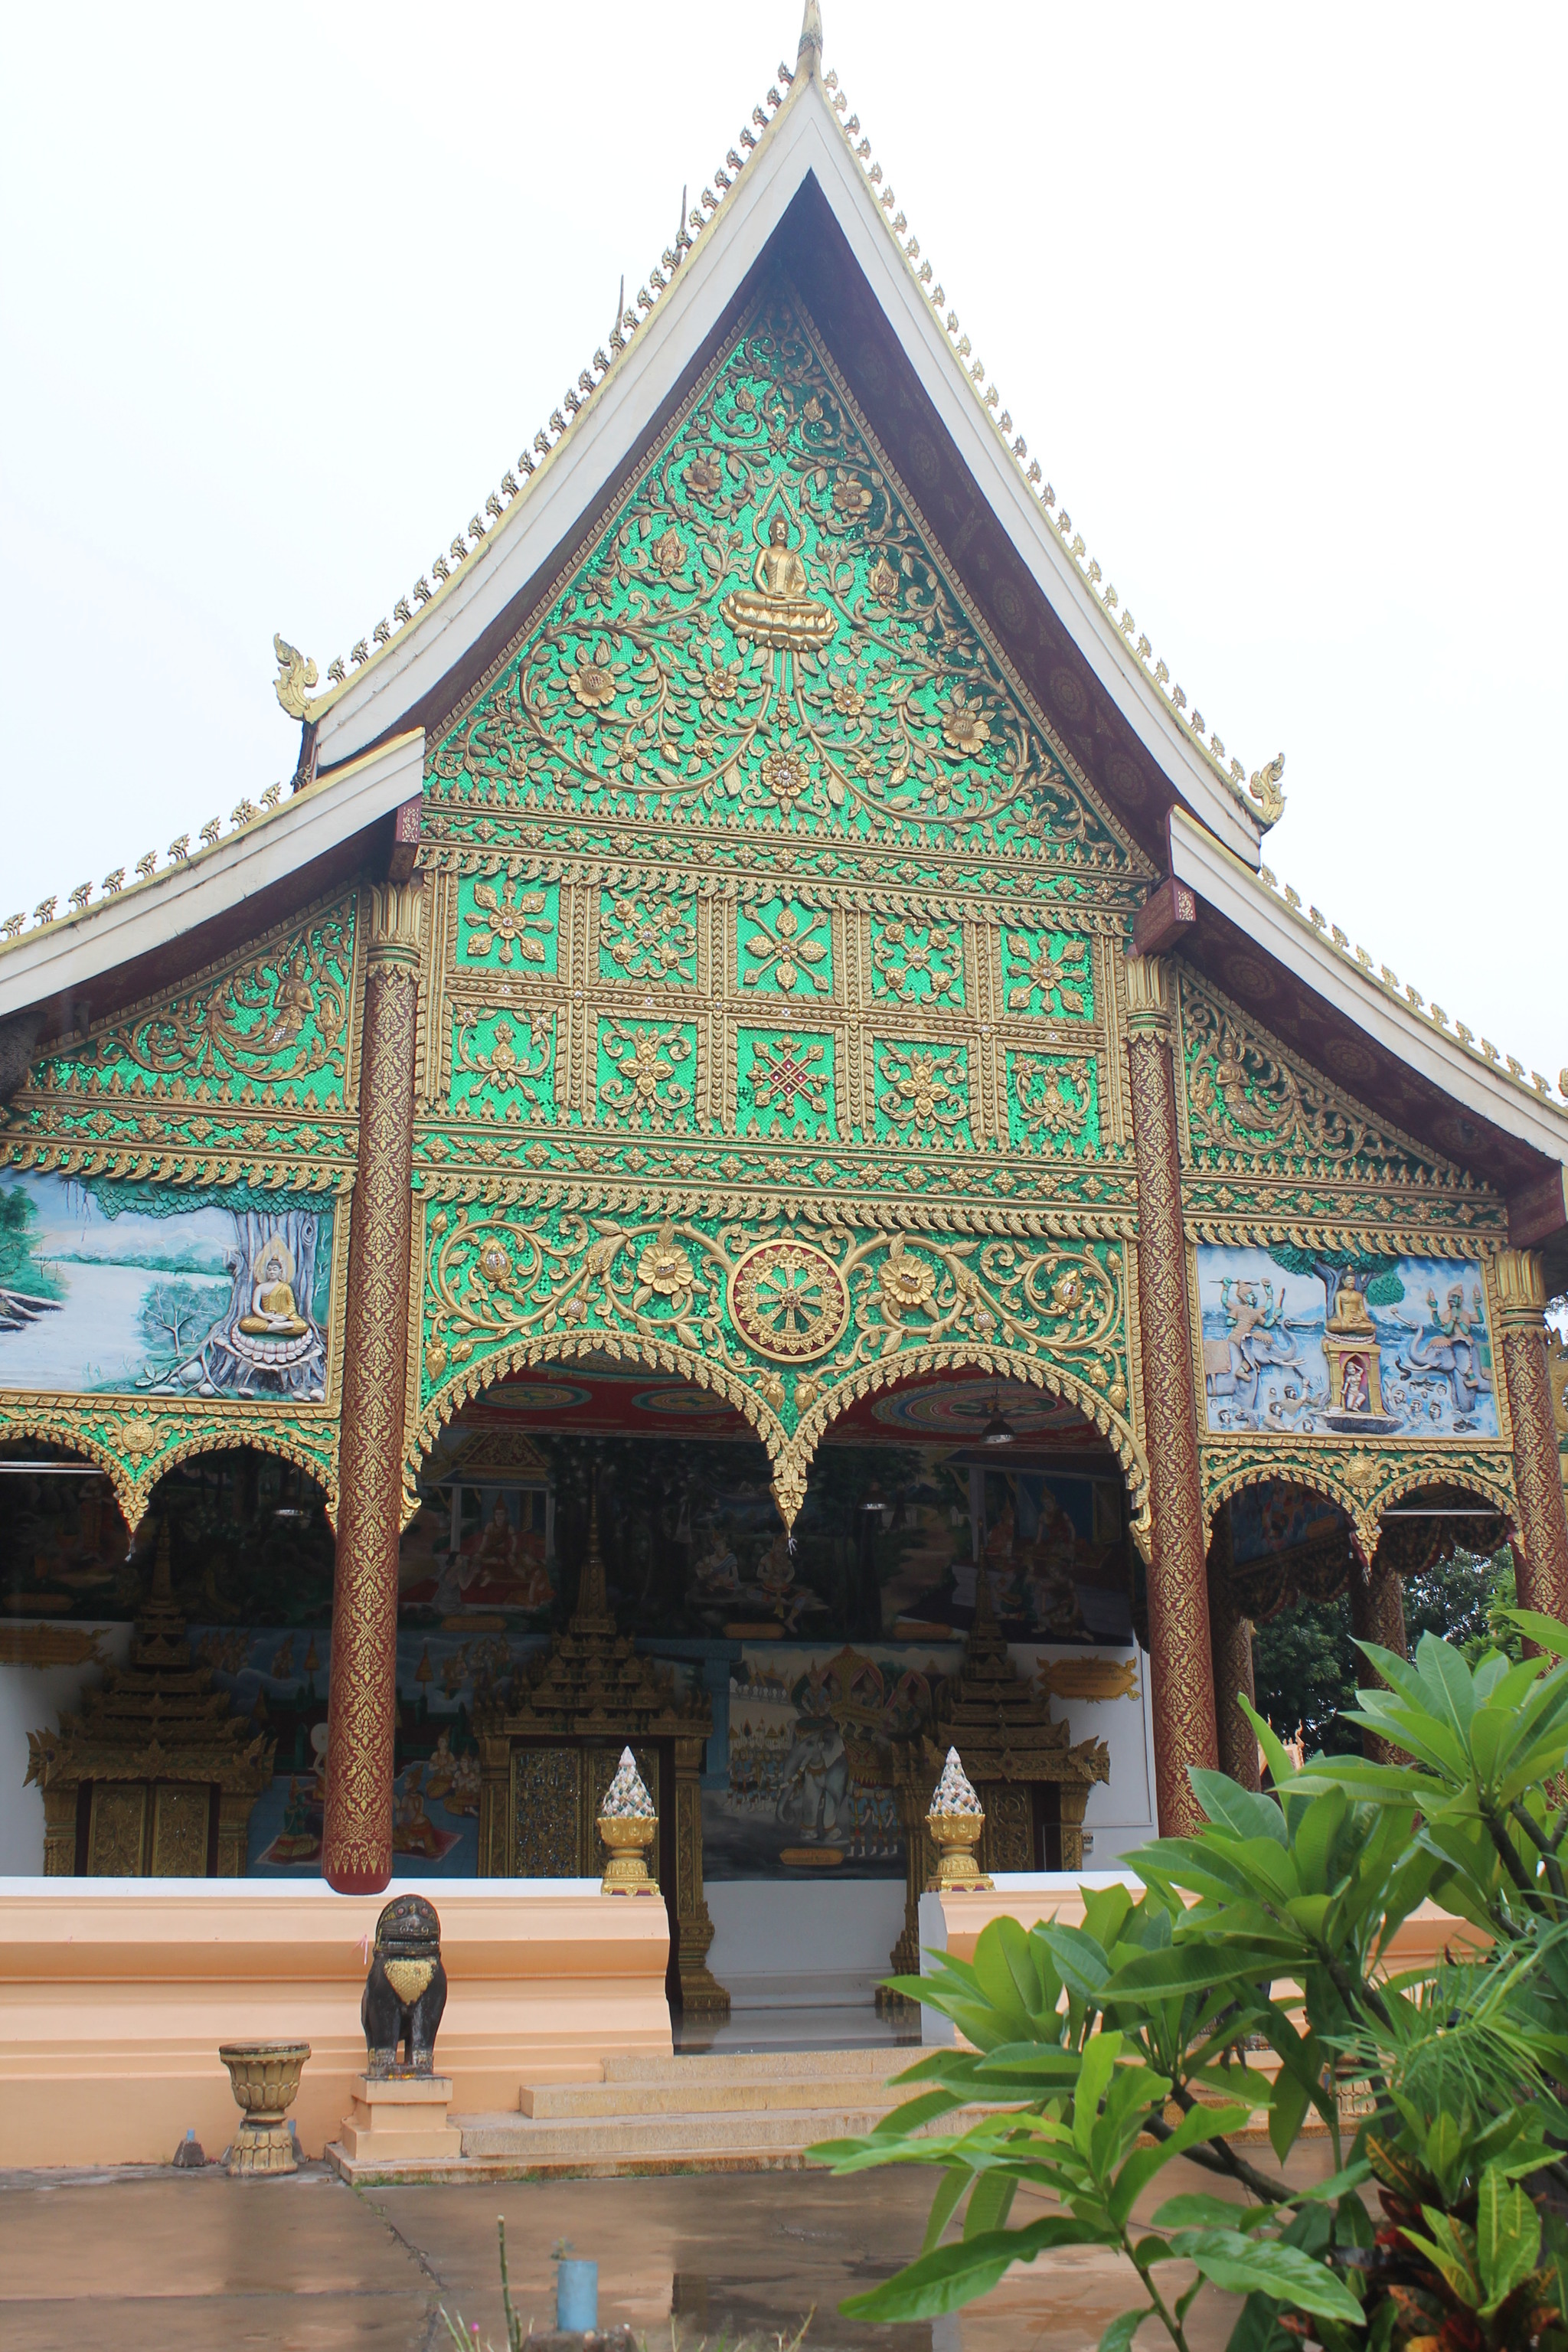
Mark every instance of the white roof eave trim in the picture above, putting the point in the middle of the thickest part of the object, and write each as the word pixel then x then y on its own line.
pixel 63 958
pixel 804 138
pixel 1232 889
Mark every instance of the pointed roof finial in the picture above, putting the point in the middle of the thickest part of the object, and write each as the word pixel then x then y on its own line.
pixel 810 57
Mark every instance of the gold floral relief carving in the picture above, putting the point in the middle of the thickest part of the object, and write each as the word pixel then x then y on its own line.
pixel 277 1022
pixel 783 1323
pixel 1245 1093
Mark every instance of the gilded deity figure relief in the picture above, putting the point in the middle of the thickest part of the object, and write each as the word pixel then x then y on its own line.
pixel 273 1312
pixel 779 609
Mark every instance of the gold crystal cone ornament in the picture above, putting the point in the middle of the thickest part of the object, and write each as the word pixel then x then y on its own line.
pixel 956 1820
pixel 628 1825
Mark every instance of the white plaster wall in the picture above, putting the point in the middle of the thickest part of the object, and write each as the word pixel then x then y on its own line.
pixel 32 1698
pixel 803 1946
pixel 1119 1814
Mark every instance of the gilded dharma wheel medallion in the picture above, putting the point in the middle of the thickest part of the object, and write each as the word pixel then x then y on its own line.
pixel 788 1300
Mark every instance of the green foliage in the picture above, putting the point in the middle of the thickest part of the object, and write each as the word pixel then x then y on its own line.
pixel 1102 2051
pixel 1461 1600
pixel 1367 1269
pixel 1306 1665
pixel 1304 1670
pixel 19 1267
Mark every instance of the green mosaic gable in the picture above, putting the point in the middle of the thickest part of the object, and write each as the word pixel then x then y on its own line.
pixel 1272 1146
pixel 270 1027
pixel 764 638
pixel 240 1076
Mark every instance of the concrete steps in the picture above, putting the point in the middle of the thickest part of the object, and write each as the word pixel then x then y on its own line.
pixel 749 2083
pixel 736 2112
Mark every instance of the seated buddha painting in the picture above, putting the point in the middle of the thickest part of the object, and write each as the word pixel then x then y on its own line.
pixel 107 1284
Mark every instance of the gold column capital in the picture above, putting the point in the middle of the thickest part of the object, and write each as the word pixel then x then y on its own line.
pixel 396 912
pixel 1148 994
pixel 1521 1288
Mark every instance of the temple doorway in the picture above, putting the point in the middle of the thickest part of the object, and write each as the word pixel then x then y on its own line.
pixel 813 1661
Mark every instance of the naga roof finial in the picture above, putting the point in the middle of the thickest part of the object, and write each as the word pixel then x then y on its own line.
pixel 810 56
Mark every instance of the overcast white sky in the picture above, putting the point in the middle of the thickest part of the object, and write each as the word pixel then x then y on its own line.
pixel 1276 293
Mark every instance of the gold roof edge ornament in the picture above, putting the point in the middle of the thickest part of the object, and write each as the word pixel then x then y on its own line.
pixel 1193 725
pixel 211 837
pixel 1264 787
pixel 516 481
pixel 1359 960
pixel 296 676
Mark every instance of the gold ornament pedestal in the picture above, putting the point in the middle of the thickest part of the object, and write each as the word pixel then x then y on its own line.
pixel 266 2079
pixel 955 1837
pixel 627 1839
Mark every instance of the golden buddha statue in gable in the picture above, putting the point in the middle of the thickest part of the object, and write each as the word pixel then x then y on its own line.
pixel 274 1314
pixel 779 610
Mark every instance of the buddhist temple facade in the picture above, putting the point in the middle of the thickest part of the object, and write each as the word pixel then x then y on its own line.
pixel 747 1159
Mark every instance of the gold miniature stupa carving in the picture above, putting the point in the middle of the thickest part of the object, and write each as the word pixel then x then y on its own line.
pixel 156 1777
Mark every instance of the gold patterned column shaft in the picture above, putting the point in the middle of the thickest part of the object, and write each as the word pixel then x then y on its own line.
pixel 356 1853
pixel 1181 1663
pixel 1537 1465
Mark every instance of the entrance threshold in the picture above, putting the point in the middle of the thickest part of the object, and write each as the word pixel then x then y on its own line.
pixel 849 2027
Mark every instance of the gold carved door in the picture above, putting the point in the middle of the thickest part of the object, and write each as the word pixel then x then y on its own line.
pixel 148 1828
pixel 556 1792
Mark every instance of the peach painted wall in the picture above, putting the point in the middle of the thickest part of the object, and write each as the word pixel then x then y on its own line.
pixel 115 1994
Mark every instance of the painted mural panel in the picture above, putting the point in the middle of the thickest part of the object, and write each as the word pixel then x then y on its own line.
pixel 888 1546
pixel 809 1788
pixel 156 1289
pixel 278 1677
pixel 1306 1342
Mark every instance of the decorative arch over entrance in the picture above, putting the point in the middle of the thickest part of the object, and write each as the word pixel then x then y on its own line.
pixel 788 1325
pixel 1087 1397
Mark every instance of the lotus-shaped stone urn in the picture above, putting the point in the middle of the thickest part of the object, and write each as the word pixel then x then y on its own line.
pixel 265 2078
pixel 955 1821
pixel 628 1824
